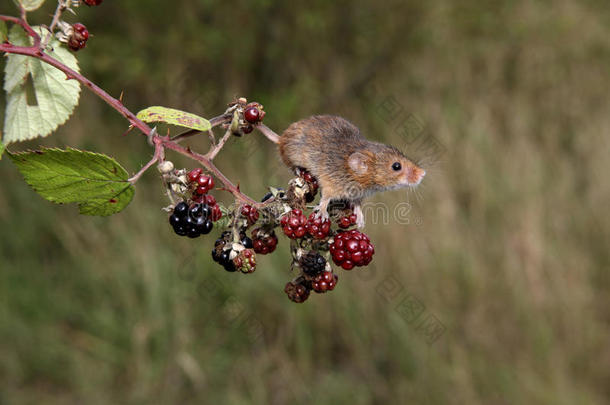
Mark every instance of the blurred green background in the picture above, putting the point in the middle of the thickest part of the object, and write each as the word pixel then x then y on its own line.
pixel 506 249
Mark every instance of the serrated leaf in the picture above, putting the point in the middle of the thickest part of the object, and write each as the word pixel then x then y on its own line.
pixel 225 220
pixel 55 96
pixel 31 5
pixel 97 183
pixel 3 31
pixel 174 117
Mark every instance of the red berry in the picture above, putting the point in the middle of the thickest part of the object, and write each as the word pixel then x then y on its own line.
pixel 297 291
pixel 347 221
pixel 312 183
pixel 351 248
pixel 210 200
pixel 252 115
pixel 206 181
pixel 344 223
pixel 293 224
pixel 216 213
pixel 245 261
pixel 79 37
pixel 250 213
pixel 317 227
pixel 263 243
pixel 325 281
pixel 248 129
pixel 194 174
pixel 93 2
pixel 81 30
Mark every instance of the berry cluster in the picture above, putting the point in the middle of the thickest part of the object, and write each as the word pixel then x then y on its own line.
pixel 78 38
pixel 245 116
pixel 245 261
pixel 234 256
pixel 351 248
pixel 312 263
pixel 314 240
pixel 317 227
pixel 250 213
pixel 201 185
pixel 191 221
pixel 293 224
pixel 222 256
pixel 93 2
pixel 263 242
pixel 325 281
pixel 297 291
pixel 347 221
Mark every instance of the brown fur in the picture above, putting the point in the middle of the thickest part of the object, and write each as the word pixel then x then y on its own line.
pixel 322 144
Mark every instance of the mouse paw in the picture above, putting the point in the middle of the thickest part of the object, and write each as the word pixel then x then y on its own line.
pixel 322 214
pixel 359 216
pixel 321 211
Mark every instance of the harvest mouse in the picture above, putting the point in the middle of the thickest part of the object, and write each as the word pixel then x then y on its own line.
pixel 346 165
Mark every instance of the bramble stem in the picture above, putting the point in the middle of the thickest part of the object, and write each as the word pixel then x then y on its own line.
pixel 214 151
pixel 157 157
pixel 268 132
pixel 61 7
pixel 161 143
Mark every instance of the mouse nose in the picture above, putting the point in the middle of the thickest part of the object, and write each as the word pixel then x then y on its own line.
pixel 416 175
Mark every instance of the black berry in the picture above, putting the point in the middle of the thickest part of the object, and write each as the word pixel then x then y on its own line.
pixel 181 209
pixel 312 263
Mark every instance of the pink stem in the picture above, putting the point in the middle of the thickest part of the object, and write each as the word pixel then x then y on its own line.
pixel 268 132
pixel 214 151
pixel 35 51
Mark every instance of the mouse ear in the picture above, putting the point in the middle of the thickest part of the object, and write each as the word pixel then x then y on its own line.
pixel 358 163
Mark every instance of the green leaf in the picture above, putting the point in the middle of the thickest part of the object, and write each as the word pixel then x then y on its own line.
pixel 31 5
pixel 2 147
pixel 3 32
pixel 54 97
pixel 97 183
pixel 225 220
pixel 174 117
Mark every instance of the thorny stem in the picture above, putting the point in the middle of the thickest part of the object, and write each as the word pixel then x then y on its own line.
pixel 157 157
pixel 61 7
pixel 161 143
pixel 23 13
pixel 268 132
pixel 216 148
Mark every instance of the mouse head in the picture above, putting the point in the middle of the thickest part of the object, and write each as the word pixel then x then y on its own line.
pixel 386 168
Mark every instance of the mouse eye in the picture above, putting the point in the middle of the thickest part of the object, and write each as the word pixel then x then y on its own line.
pixel 396 166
